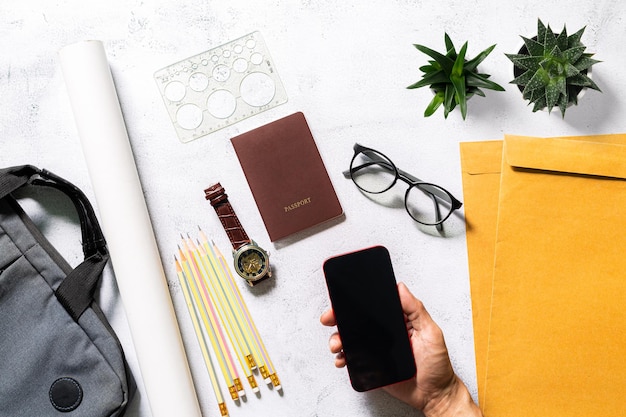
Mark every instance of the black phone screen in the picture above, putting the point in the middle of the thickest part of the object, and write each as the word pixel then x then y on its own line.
pixel 364 296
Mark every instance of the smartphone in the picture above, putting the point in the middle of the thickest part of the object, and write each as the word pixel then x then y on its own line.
pixel 370 321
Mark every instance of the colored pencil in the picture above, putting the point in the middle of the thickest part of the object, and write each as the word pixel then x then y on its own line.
pixel 210 325
pixel 214 318
pixel 208 273
pixel 201 339
pixel 253 337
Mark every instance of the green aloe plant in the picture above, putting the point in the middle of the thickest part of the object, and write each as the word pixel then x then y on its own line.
pixel 551 69
pixel 452 78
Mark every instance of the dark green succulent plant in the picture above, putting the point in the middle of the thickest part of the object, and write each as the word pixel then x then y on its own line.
pixel 551 69
pixel 452 78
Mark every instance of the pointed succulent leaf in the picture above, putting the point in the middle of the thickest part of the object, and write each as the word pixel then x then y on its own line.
pixel 524 78
pixel 478 92
pixel 476 80
pixel 457 68
pixel 534 48
pixel 539 80
pixel 550 41
pixel 555 52
pixel 458 81
pixel 429 79
pixel 561 39
pixel 571 70
pixel 561 85
pixel 574 40
pixel 583 80
pixel 573 54
pixel 585 62
pixel 527 95
pixel 445 62
pixel 473 63
pixel 427 69
pixel 448 102
pixel 563 103
pixel 532 63
pixel 539 104
pixel 532 96
pixel 448 42
pixel 541 31
pixel 553 91
pixel 435 103
pixel 513 57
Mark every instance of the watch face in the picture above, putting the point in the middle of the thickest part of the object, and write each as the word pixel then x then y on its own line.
pixel 251 262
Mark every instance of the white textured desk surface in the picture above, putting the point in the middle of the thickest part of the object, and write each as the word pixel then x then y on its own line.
pixel 345 65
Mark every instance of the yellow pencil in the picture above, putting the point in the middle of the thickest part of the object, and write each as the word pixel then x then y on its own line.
pixel 209 325
pixel 207 273
pixel 270 372
pixel 201 340
pixel 257 357
pixel 237 338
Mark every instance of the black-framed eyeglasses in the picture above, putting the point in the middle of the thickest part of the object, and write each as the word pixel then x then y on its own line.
pixel 374 173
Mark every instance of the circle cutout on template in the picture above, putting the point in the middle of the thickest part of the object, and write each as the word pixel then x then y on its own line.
pixel 221 104
pixel 221 73
pixel 240 65
pixel 189 116
pixel 250 43
pixel 198 81
pixel 256 58
pixel 175 91
pixel 257 89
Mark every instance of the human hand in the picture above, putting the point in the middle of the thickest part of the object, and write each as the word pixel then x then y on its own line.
pixel 435 389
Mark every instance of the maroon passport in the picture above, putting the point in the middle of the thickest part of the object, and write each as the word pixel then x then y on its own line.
pixel 287 176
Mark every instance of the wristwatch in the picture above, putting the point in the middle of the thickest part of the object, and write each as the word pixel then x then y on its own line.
pixel 252 263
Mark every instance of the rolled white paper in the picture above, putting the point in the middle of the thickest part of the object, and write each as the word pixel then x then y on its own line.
pixel 128 230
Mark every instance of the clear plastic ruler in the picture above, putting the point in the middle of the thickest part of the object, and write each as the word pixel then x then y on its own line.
pixel 219 87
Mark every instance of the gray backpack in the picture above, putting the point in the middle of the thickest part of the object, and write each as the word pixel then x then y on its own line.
pixel 58 353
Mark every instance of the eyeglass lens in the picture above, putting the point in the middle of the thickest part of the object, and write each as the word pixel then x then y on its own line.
pixel 427 203
pixel 372 172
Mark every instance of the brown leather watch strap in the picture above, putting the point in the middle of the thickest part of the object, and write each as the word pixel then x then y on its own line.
pixel 219 200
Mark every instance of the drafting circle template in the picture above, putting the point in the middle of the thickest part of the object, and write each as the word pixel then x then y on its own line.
pixel 219 87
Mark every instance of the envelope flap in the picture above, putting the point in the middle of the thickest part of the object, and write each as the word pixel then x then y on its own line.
pixel 601 155
pixel 478 157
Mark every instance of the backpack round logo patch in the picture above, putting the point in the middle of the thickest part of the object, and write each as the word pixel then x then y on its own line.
pixel 65 394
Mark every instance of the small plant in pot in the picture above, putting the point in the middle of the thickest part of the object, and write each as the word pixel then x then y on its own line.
pixel 552 69
pixel 452 78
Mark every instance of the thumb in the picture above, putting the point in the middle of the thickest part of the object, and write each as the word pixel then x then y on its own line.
pixel 413 308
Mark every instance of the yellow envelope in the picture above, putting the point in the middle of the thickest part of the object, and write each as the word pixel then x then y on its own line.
pixel 557 334
pixel 480 167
